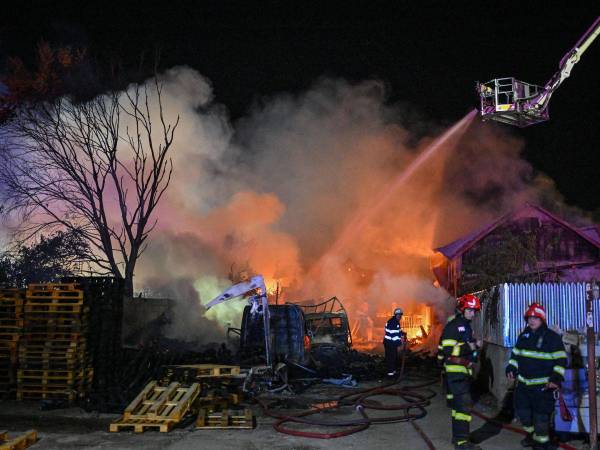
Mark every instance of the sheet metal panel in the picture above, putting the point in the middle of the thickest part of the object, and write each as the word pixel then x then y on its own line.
pixel 501 323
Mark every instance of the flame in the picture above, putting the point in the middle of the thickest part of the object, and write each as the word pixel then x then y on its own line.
pixel 367 333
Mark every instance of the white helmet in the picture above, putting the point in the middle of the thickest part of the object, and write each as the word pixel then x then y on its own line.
pixel 398 311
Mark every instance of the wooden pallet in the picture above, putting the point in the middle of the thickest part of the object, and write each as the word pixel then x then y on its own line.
pixel 157 407
pixel 20 442
pixel 34 320
pixel 140 425
pixel 12 299
pixel 12 314
pixel 228 419
pixel 10 330
pixel 53 365
pixel 54 286
pixel 55 309
pixel 162 403
pixel 206 370
pixel 6 363
pixel 53 338
pixel 11 305
pixel 54 297
pixel 217 403
pixel 11 322
pixel 45 394
pixel 66 356
pixel 53 376
pixel 8 351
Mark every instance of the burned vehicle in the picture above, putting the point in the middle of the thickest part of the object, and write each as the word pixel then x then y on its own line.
pixel 298 331
pixel 327 324
pixel 289 340
pixel 292 333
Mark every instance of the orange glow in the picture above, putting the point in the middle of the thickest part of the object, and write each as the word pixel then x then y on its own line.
pixel 356 216
pixel 369 336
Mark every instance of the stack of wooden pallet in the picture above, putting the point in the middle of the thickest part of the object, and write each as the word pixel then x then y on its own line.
pixel 157 407
pixel 53 360
pixel 104 296
pixel 218 403
pixel 11 323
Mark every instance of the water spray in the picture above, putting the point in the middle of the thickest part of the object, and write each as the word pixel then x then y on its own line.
pixel 366 213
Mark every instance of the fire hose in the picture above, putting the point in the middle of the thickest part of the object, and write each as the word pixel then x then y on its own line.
pixel 514 429
pixel 413 401
pixel 415 397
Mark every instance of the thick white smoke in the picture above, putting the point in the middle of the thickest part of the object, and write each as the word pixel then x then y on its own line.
pixel 270 193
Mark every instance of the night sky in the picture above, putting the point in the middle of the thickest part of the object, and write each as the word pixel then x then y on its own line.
pixel 428 53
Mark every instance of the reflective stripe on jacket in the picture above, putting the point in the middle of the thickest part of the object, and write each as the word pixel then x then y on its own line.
pixel 392 332
pixel 454 342
pixel 538 357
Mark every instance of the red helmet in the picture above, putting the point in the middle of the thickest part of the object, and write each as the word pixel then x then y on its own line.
pixel 535 310
pixel 468 301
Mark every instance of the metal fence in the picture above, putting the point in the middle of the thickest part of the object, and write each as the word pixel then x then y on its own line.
pixel 503 306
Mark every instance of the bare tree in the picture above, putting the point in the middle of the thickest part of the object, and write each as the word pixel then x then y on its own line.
pixel 97 168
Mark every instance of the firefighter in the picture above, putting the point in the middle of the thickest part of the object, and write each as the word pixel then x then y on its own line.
pixel 393 339
pixel 459 352
pixel 537 362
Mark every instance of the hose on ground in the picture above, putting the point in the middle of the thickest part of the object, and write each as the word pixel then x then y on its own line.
pixel 415 398
pixel 513 429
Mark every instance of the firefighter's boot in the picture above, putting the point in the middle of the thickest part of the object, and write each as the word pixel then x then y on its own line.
pixel 528 441
pixel 466 445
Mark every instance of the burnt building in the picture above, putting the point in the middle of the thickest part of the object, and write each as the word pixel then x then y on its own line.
pixel 529 244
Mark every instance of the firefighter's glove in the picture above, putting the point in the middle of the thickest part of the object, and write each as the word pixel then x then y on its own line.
pixel 440 360
pixel 511 373
pixel 554 380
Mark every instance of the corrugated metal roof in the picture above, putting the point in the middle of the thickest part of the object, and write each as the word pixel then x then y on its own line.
pixel 501 319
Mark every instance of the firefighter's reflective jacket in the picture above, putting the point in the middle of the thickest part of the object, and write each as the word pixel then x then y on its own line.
pixel 454 348
pixel 393 334
pixel 538 357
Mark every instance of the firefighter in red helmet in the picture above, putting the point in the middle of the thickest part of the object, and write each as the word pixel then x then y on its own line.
pixel 458 349
pixel 538 361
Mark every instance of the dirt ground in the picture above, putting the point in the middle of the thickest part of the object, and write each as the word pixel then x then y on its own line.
pixel 73 429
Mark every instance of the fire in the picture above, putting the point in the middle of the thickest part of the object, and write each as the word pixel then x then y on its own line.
pixel 367 333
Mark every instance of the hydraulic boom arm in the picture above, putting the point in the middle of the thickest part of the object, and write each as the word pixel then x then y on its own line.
pixel 568 61
pixel 518 103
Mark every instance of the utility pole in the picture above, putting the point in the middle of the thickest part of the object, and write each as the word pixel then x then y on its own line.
pixel 593 294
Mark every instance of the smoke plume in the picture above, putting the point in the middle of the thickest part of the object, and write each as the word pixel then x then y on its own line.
pixel 272 192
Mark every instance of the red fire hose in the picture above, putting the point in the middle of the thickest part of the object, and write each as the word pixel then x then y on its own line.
pixel 514 429
pixel 415 397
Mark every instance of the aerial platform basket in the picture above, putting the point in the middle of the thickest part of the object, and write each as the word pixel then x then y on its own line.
pixel 511 101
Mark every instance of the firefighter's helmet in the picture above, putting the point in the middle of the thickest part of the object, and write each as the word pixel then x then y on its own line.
pixel 535 310
pixel 398 311
pixel 469 301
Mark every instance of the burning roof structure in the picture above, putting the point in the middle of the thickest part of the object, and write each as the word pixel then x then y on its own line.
pixel 528 244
